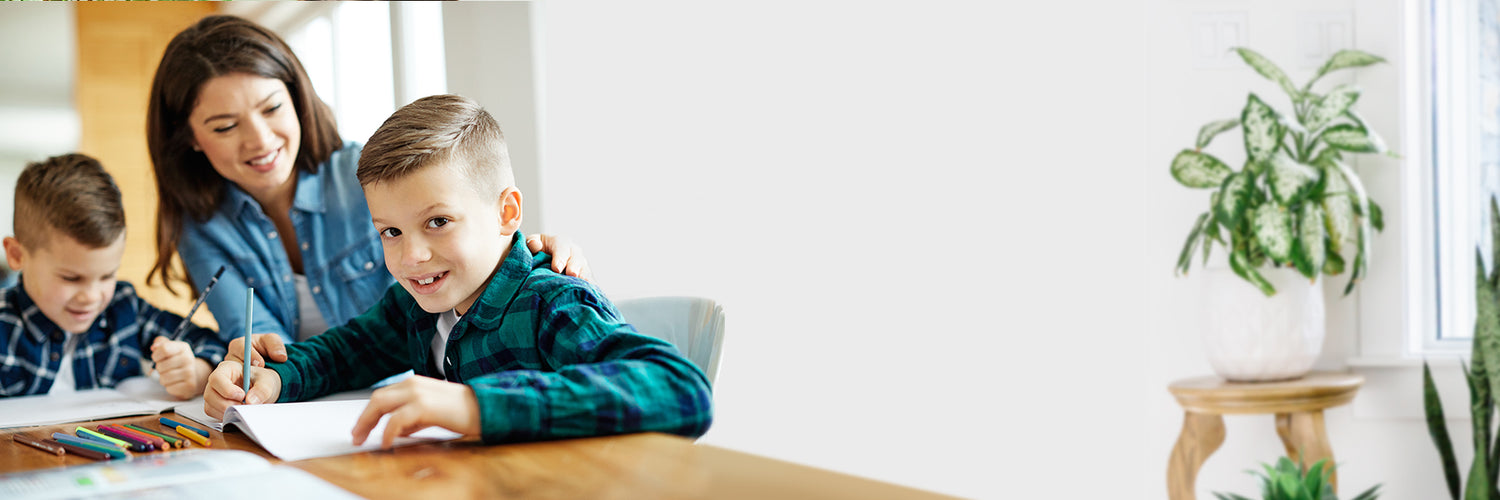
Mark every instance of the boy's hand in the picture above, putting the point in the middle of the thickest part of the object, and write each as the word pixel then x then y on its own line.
pixel 418 403
pixel 263 345
pixel 224 387
pixel 182 374
pixel 567 258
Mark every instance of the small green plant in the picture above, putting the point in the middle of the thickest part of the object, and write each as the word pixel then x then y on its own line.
pixel 1483 377
pixel 1286 481
pixel 1295 202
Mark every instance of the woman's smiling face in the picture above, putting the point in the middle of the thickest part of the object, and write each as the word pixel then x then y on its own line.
pixel 245 124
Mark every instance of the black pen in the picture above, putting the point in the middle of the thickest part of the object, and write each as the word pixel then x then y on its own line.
pixel 187 320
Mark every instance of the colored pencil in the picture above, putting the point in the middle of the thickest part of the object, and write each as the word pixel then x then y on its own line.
pixel 193 436
pixel 50 448
pixel 92 445
pixel 84 452
pixel 171 441
pixel 137 444
pixel 88 434
pixel 249 313
pixel 173 424
pixel 159 443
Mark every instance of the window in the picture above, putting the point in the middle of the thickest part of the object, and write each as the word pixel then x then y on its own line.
pixel 1465 137
pixel 358 54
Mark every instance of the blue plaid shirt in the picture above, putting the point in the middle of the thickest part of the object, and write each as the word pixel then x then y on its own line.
pixel 110 351
pixel 547 355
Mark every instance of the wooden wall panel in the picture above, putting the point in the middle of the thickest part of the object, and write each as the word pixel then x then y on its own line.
pixel 119 45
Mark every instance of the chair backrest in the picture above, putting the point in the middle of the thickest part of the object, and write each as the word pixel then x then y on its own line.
pixel 694 324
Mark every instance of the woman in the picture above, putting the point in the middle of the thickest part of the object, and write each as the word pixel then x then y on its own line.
pixel 251 174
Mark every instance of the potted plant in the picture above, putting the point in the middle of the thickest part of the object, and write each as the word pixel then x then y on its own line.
pixel 1483 377
pixel 1291 213
pixel 1286 481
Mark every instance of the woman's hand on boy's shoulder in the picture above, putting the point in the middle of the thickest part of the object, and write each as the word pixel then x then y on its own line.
pixel 418 403
pixel 567 257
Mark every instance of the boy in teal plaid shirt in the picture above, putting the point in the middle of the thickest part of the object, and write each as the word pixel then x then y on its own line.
pixel 503 348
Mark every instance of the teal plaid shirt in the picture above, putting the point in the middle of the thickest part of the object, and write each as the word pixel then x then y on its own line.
pixel 547 355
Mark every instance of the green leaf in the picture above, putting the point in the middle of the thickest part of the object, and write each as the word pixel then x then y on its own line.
pixel 1437 427
pixel 1199 170
pixel 1347 58
pixel 1331 106
pixel 1207 133
pixel 1242 266
pixel 1334 264
pixel 1480 408
pixel 1495 243
pixel 1272 225
pixel 1263 129
pixel 1486 343
pixel 1185 258
pixel 1377 217
pixel 1309 251
pixel 1269 70
pixel 1353 138
pixel 1374 492
pixel 1290 181
pixel 1362 230
pixel 1338 205
pixel 1235 197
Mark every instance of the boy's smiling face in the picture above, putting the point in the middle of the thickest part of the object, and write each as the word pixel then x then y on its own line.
pixel 69 281
pixel 442 238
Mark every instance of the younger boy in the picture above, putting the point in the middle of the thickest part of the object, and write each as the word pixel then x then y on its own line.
pixel 504 348
pixel 69 324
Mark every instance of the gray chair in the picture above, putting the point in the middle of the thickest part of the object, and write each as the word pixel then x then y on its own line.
pixel 694 324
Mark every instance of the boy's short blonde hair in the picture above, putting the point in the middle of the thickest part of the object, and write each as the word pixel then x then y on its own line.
pixel 70 194
pixel 439 129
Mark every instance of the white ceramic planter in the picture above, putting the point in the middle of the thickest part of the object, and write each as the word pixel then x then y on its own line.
pixel 1253 338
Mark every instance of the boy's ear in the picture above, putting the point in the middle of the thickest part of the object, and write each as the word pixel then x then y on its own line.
pixel 510 210
pixel 15 254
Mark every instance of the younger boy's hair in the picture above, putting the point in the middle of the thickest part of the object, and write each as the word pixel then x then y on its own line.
pixel 437 129
pixel 70 194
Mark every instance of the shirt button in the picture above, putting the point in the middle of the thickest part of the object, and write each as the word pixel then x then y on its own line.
pixel 286 277
pixel 55 356
pixel 271 235
pixel 57 336
pixel 250 281
pixel 369 266
pixel 317 289
pixel 304 245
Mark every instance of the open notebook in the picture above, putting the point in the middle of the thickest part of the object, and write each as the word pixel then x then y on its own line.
pixel 132 396
pixel 296 431
pixel 193 473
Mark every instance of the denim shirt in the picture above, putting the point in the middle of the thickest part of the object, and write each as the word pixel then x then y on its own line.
pixel 341 253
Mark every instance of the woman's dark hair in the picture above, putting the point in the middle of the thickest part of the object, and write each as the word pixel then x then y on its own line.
pixel 186 183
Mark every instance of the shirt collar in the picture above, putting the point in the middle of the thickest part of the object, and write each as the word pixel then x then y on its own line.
pixel 505 284
pixel 308 198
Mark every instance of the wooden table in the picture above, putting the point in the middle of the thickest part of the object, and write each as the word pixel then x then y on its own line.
pixel 1298 406
pixel 628 466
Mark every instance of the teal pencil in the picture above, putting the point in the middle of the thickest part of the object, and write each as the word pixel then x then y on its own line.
pixel 249 313
pixel 92 445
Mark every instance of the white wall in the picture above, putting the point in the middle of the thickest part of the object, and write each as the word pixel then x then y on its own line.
pixel 1371 447
pixel 490 59
pixel 927 222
